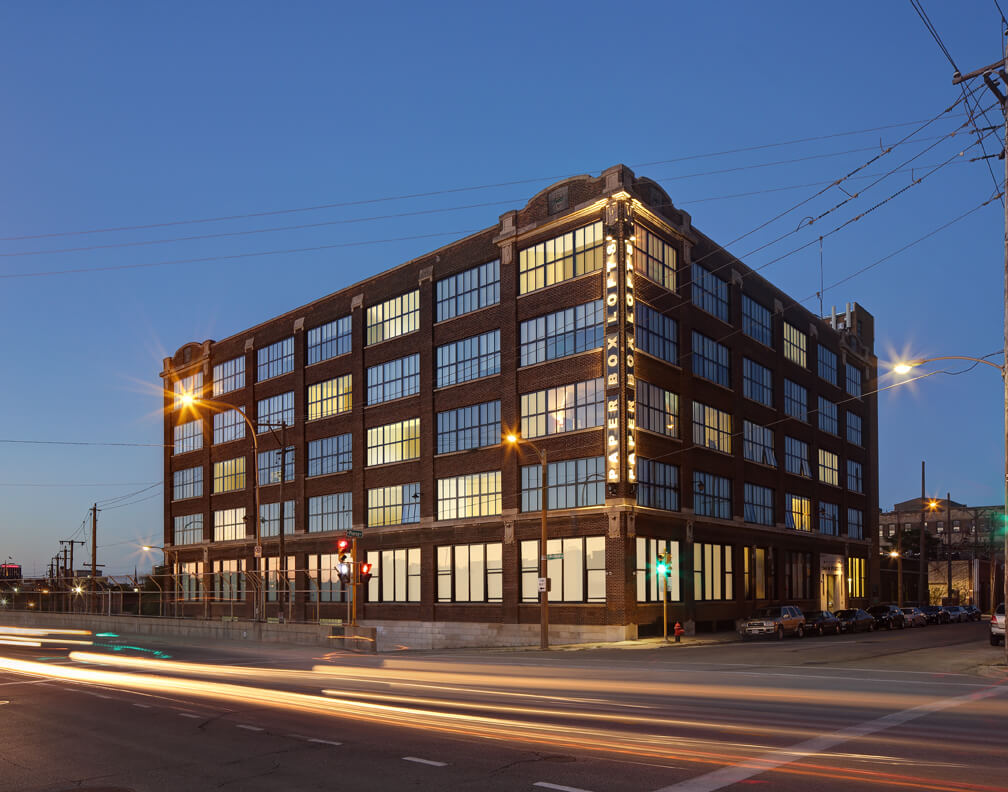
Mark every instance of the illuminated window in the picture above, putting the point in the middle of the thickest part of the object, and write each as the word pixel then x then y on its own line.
pixel 829 519
pixel 329 340
pixel 654 258
pixel 712 428
pixel 472 495
pixel 394 442
pixel 829 467
pixel 393 318
pixel 330 397
pixel 393 379
pixel 330 455
pixel 188 386
pixel 275 411
pixel 468 359
pixel 395 575
pixel 827 365
pixel 269 520
pixel 566 408
pixel 649 586
pixel 188 437
pixel 191 580
pixel 758 571
pixel 828 420
pixel 229 376
pixel 855 577
pixel 712 495
pixel 757 382
pixel 468 291
pixel 188 529
pixel 758 507
pixel 229 475
pixel 394 505
pixel 657 409
pixel 569 484
pixel 794 344
pixel 657 334
pixel 330 512
pixel 796 457
pixel 473 426
pixel 228 426
pixel 854 429
pixel 795 400
pixel 187 483
pixel 657 485
pixel 276 359
pixel 561 258
pixel 855 477
pixel 711 360
pixel 853 380
pixel 556 335
pixel 758 444
pixel 270 463
pixel 577 569
pixel 712 572
pixel 797 512
pixel 757 321
pixel 228 580
pixel 470 573
pixel 229 524
pixel 710 293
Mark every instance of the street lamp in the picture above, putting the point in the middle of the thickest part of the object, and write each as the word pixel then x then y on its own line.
pixel 514 440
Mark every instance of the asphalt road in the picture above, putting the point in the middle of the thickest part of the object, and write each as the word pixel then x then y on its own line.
pixel 922 709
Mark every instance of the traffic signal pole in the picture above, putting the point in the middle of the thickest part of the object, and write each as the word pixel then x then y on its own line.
pixel 664 606
pixel 356 584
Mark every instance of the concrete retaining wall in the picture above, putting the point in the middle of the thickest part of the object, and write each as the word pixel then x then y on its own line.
pixel 394 636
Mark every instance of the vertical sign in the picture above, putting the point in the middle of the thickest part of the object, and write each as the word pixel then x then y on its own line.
pixel 629 345
pixel 613 352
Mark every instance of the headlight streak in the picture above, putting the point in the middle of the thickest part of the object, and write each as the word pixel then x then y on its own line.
pixel 18 642
pixel 39 631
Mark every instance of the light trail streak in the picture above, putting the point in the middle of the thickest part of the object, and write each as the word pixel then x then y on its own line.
pixel 42 631
pixel 18 642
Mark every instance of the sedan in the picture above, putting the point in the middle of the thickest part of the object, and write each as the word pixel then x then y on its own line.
pixel 887 616
pixel 936 614
pixel 915 617
pixel 972 612
pixel 821 622
pixel 955 613
pixel 855 620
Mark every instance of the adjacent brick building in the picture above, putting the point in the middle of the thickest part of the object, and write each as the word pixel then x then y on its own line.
pixel 683 402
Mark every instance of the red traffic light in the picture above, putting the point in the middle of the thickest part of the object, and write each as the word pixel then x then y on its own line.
pixel 365 573
pixel 342 545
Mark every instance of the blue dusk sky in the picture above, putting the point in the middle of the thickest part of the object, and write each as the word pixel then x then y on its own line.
pixel 180 172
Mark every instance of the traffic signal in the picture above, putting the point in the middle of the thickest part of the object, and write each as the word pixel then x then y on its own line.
pixel 663 566
pixel 344 563
pixel 365 573
pixel 342 546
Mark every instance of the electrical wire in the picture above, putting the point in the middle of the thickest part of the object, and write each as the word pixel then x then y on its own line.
pixel 133 503
pixel 84 443
pixel 131 494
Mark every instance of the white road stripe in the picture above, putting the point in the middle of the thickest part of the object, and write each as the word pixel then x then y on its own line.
pixel 189 715
pixel 296 736
pixel 142 706
pixel 548 785
pixel 727 776
pixel 430 762
pixel 323 742
pixel 247 727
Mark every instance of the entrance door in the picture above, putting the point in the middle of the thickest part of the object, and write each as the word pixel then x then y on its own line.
pixel 829 599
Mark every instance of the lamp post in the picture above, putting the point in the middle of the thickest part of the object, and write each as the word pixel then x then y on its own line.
pixel 543 504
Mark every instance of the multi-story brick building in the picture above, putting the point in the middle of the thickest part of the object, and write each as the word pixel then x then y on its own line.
pixel 683 402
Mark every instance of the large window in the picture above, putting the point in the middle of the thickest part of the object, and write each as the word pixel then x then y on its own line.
pixel 187 386
pixel 188 437
pixel 569 483
pixel 394 442
pixel 654 257
pixel 472 495
pixel 829 519
pixel 712 428
pixel 757 321
pixel 468 291
pixel 758 571
pixel 757 382
pixel 556 335
pixel 191 580
pixel 323 579
pixel 228 426
pixel 854 429
pixel 712 572
pixel 711 360
pixel 853 380
pixel 657 409
pixel 657 485
pixel 470 573
pixel 855 477
pixel 275 359
pixel 797 575
pixel 276 466
pixel 229 475
pixel 468 359
pixel 796 457
pixel 187 483
pixel 562 409
pixel 269 519
pixel 798 512
pixel 657 334
pixel 855 523
pixel 856 577
pixel 795 344
pixel 712 495
pixel 577 569
pixel 758 444
pixel 395 575
pixel 330 455
pixel 649 585
pixel 827 365
pixel 795 400
pixel 188 529
pixel 229 524
pixel 274 411
pixel 759 504
pixel 329 340
pixel 393 318
pixel 710 293
pixel 474 426
pixel 828 420
pixel 229 376
pixel 561 258
pixel 396 505
pixel 330 397
pixel 330 512
pixel 228 581
pixel 829 467
pixel 393 379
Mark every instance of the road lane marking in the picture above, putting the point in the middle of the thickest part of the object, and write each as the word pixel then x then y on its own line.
pixel 247 727
pixel 747 768
pixel 323 742
pixel 189 715
pixel 548 785
pixel 430 762
pixel 296 736
pixel 142 706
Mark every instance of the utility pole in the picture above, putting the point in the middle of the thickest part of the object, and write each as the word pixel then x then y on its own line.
pixel 70 568
pixel 922 574
pixel 948 535
pixel 282 582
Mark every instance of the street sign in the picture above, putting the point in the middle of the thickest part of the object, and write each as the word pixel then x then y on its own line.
pixel 544 584
pixel 355 533
pixel 258 551
pixel 554 556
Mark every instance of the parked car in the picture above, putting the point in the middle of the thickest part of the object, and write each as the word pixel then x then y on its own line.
pixel 887 617
pixel 955 613
pixel 972 612
pixel 855 620
pixel 997 626
pixel 821 622
pixel 936 614
pixel 776 620
pixel 915 617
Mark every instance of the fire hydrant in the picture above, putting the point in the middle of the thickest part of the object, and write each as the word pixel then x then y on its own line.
pixel 679 631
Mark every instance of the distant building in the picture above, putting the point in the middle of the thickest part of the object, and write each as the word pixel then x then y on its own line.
pixel 684 404
pixel 970 532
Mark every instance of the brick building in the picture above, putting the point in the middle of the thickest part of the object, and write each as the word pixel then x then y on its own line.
pixel 684 405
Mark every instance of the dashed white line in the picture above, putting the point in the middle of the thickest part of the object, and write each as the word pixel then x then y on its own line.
pixel 296 736
pixel 430 762
pixel 141 706
pixel 189 715
pixel 323 742
pixel 548 785
pixel 247 727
